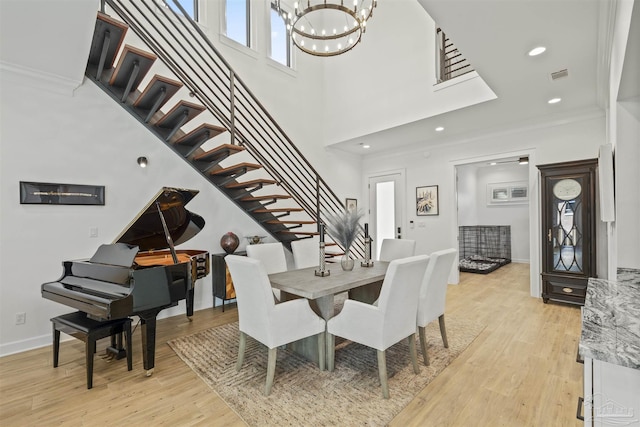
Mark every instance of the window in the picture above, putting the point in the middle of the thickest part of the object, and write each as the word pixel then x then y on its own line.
pixel 237 21
pixel 190 6
pixel 280 41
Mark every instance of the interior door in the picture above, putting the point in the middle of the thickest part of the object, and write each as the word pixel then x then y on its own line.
pixel 386 198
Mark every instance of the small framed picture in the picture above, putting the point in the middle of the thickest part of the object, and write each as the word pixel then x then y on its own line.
pixel 44 193
pixel 427 200
pixel 351 205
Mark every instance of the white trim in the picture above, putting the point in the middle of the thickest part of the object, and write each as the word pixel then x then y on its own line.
pixel 28 344
pixel 46 81
pixel 238 46
pixel 535 287
pixel 606 29
pixel 281 67
pixel 455 81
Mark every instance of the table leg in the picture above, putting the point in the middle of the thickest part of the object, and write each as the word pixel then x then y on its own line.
pixel 308 347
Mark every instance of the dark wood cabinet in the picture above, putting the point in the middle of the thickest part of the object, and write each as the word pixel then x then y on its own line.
pixel 568 229
pixel 221 279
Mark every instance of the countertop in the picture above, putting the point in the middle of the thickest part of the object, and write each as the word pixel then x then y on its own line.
pixel 611 320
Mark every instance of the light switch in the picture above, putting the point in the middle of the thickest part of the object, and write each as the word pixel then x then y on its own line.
pixel 93 232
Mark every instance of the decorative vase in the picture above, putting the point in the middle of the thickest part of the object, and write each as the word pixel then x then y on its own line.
pixel 346 262
pixel 229 242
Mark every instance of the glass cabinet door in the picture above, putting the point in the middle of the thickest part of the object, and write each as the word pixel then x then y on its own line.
pixel 566 234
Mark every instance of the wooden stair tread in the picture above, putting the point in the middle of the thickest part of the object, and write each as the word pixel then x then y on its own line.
pixel 265 197
pixel 231 170
pixel 304 233
pixel 176 114
pixel 153 91
pixel 276 221
pixel 278 210
pixel 250 183
pixel 117 31
pixel 195 136
pixel 221 151
pixel 123 70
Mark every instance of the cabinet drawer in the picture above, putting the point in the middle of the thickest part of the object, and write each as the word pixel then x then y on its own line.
pixel 567 289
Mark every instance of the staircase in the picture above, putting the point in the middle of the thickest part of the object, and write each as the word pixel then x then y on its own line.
pixel 207 116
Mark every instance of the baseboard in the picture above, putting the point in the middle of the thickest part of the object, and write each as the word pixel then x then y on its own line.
pixel 26 345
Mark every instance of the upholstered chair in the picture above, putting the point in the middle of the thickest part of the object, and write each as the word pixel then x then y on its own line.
pixel 272 257
pixel 396 248
pixel 390 321
pixel 433 295
pixel 265 321
pixel 306 252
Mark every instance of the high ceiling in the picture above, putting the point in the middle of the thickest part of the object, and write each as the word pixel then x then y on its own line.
pixel 495 35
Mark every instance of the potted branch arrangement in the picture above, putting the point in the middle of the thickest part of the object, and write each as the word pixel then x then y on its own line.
pixel 344 228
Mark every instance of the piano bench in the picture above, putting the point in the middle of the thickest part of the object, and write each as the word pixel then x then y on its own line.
pixel 79 326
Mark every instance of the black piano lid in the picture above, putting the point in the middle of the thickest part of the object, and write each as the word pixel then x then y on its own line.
pixel 146 230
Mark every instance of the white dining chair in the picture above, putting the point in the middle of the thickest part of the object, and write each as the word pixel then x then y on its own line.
pixel 265 321
pixel 272 257
pixel 391 249
pixel 390 321
pixel 306 252
pixel 433 295
pixel 396 248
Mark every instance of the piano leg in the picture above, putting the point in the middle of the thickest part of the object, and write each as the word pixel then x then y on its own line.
pixel 190 296
pixel 148 330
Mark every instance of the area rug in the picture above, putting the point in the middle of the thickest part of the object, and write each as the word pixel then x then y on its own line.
pixel 302 395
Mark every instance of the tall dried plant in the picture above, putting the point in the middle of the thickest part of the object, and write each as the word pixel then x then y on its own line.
pixel 343 227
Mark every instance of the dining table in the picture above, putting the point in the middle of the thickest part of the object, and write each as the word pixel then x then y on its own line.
pixel 362 284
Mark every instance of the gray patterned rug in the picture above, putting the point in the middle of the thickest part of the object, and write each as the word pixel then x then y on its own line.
pixel 302 395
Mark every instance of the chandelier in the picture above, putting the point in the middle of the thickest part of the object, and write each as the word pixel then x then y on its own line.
pixel 327 28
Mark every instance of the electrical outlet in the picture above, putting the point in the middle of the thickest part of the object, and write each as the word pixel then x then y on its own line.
pixel 21 318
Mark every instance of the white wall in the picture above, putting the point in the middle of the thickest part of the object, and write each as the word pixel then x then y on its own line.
pixel 84 139
pixel 393 71
pixel 49 136
pixel 473 208
pixel 564 142
pixel 295 97
pixel 623 126
pixel 627 181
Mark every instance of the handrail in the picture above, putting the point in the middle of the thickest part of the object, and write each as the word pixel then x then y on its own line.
pixel 183 47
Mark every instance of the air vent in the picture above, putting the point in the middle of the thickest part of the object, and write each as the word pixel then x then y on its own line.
pixel 559 74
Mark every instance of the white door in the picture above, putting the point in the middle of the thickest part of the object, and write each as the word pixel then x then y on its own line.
pixel 386 198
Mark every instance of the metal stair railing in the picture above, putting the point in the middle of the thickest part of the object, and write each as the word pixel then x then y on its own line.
pixel 183 47
pixel 451 63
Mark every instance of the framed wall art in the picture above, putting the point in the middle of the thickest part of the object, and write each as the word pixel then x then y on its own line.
pixel 427 200
pixel 502 193
pixel 351 205
pixel 44 193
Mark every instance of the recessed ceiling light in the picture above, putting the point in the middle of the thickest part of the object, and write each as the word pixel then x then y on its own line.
pixel 439 129
pixel 366 146
pixel 537 51
pixel 493 163
pixel 554 100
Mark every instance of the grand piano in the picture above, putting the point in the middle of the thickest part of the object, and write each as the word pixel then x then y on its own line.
pixel 140 273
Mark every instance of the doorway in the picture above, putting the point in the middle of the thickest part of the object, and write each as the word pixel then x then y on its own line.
pixel 386 199
pixel 476 205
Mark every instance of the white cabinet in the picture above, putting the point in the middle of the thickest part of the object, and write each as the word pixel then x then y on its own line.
pixel 611 394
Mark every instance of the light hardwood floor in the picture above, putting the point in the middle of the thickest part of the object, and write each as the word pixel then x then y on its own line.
pixel 520 371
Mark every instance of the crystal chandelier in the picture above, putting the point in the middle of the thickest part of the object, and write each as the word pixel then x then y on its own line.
pixel 327 28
